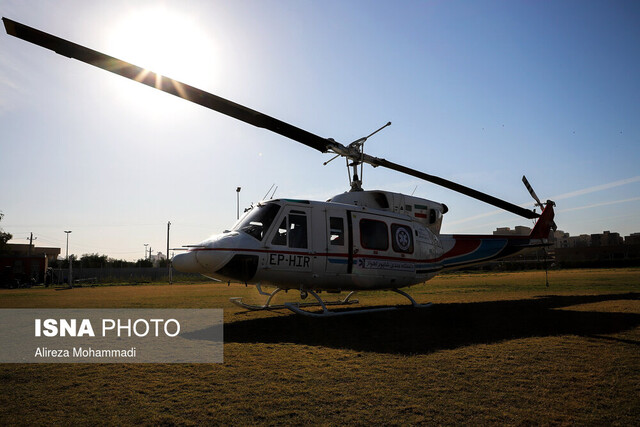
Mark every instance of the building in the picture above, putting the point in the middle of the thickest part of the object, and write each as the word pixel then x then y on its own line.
pixel 632 239
pixel 607 249
pixel 581 241
pixel 156 259
pixel 607 238
pixel 518 231
pixel 19 249
pixel 22 264
pixel 562 239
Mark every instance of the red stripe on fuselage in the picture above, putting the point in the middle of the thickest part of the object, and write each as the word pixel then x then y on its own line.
pixel 462 247
pixel 328 254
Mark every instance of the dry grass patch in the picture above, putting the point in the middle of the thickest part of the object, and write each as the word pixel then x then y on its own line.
pixel 494 349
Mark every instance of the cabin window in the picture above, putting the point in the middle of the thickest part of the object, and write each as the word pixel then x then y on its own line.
pixel 374 235
pixel 258 220
pixel 402 238
pixel 336 231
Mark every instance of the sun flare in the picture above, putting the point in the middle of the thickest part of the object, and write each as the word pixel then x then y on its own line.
pixel 166 42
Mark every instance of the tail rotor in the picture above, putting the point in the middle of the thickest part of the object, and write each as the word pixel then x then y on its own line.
pixel 537 199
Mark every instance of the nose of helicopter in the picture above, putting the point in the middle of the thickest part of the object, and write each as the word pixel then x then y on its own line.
pixel 213 254
pixel 186 262
pixel 203 261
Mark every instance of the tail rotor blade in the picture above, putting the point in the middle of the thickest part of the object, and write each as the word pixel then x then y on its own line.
pixel 537 199
pixel 533 193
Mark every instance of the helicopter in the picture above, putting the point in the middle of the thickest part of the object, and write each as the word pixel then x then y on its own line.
pixel 360 240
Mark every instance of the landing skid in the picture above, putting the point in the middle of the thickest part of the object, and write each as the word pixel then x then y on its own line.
pixel 414 304
pixel 268 306
pixel 326 313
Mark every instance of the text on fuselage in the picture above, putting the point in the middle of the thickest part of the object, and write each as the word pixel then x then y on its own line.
pixel 289 260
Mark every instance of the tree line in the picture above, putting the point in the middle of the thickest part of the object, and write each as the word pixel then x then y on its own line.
pixel 96 260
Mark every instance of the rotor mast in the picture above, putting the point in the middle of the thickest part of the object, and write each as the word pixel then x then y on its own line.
pixel 355 153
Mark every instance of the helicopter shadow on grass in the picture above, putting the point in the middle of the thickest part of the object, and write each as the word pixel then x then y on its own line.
pixel 442 326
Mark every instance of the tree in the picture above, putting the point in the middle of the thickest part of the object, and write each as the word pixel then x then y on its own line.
pixel 120 263
pixel 93 261
pixel 4 237
pixel 144 263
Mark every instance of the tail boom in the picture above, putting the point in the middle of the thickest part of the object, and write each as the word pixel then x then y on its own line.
pixel 461 250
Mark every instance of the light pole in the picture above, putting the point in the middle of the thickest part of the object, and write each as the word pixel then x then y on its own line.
pixel 67 244
pixel 68 261
pixel 168 259
pixel 238 202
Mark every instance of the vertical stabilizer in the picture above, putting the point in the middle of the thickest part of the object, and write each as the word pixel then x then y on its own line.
pixel 544 224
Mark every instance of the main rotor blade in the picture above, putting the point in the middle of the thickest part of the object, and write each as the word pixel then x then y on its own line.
pixel 165 84
pixel 229 108
pixel 502 204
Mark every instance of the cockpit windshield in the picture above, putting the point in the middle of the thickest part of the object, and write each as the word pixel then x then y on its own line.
pixel 257 222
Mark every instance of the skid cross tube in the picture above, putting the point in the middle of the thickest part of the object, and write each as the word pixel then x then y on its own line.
pixel 295 307
pixel 268 306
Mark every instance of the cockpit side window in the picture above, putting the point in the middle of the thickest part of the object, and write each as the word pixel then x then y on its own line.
pixel 294 229
pixel 258 220
pixel 280 237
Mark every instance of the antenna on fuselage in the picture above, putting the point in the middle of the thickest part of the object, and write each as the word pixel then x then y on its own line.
pixel 268 191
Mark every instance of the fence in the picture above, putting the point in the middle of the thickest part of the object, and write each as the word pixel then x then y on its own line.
pixel 122 275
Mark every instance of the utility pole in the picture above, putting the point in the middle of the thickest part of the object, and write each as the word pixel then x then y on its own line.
pixel 31 239
pixel 145 250
pixel 168 259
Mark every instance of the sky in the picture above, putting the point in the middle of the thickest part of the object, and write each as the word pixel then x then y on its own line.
pixel 480 93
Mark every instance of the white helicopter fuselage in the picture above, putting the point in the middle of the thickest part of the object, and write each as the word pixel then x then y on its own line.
pixel 332 246
pixel 364 240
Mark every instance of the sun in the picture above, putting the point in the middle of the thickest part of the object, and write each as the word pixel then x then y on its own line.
pixel 167 42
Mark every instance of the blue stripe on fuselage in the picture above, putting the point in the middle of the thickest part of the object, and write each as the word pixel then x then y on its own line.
pixel 488 248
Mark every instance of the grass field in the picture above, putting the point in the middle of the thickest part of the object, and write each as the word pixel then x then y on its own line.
pixel 494 348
